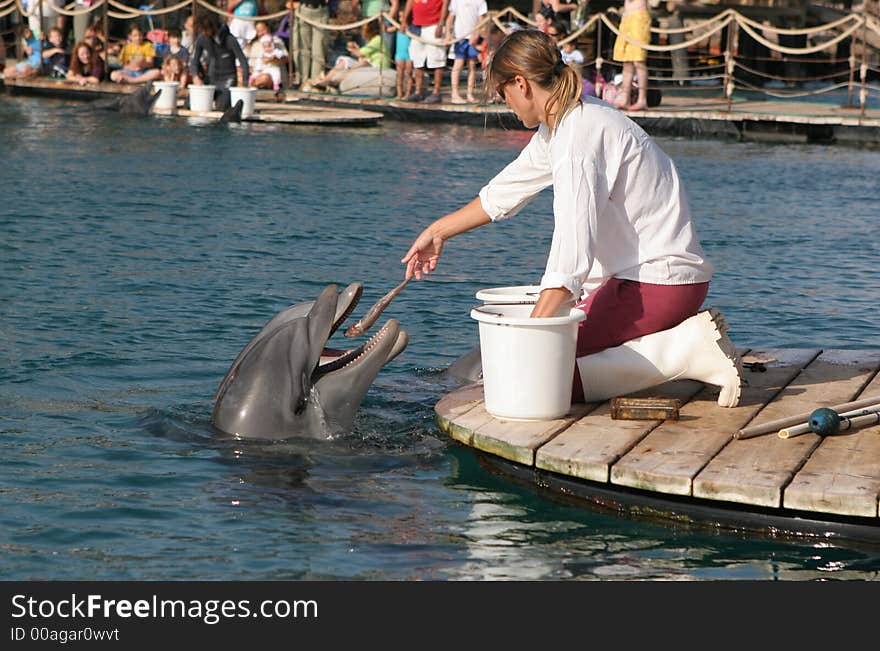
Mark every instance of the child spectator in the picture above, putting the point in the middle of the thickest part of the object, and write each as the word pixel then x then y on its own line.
pixel 173 69
pixel 137 58
pixel 30 65
pixel 402 62
pixel 266 54
pixel 86 67
pixel 94 37
pixel 56 59
pixel 176 47
pixel 464 16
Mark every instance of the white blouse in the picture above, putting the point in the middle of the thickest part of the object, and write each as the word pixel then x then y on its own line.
pixel 618 203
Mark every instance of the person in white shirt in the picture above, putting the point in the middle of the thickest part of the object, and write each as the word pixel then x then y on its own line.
pixel 624 245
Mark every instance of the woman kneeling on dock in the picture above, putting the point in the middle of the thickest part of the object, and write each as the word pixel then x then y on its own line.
pixel 623 246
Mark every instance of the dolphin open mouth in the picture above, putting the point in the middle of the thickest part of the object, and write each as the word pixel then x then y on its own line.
pixel 286 382
pixel 335 360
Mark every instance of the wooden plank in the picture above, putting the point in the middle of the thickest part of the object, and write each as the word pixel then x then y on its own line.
pixel 668 458
pixel 756 470
pixel 453 406
pixel 456 413
pixel 591 445
pixel 518 440
pixel 842 476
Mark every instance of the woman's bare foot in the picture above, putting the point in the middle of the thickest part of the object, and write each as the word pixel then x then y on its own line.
pixel 458 100
pixel 638 106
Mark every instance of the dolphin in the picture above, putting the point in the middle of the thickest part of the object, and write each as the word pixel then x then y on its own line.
pixel 233 113
pixel 139 103
pixel 286 383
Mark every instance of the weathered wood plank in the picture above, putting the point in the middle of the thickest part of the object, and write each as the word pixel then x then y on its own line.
pixel 456 415
pixel 591 445
pixel 842 476
pixel 668 458
pixel 518 440
pixel 756 470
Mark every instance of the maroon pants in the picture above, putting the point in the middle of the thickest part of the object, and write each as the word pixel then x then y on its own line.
pixel 621 310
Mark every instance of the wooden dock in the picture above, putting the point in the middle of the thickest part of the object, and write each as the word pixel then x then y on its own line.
pixel 693 469
pixel 677 115
pixel 267 108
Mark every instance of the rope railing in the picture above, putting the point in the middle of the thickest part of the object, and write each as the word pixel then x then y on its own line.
pixel 697 61
pixel 64 11
pixel 226 14
pixel 147 12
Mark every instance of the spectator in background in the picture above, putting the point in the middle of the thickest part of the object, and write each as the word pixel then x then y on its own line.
pixel 558 7
pixel 243 30
pixel 173 69
pixel 543 17
pixel 635 25
pixel 86 67
pixel 187 34
pixel 30 48
pixel 464 16
pixel 56 59
pixel 137 58
pixel 402 62
pixel 426 19
pixel 176 47
pixel 372 53
pixel 266 54
pixel 311 42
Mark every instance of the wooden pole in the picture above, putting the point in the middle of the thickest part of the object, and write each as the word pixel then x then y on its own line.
pixel 863 70
pixel 106 27
pixel 776 425
pixel 290 43
pixel 728 64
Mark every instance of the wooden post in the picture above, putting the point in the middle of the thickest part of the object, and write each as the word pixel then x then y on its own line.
pixel 729 63
pixel 290 43
pixel 863 69
pixel 106 28
pixel 382 37
pixel 852 71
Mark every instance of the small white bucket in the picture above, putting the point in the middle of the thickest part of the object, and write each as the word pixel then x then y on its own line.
pixel 201 98
pixel 168 97
pixel 515 295
pixel 528 364
pixel 247 95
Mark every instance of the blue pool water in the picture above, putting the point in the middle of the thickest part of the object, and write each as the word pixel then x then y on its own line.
pixel 138 257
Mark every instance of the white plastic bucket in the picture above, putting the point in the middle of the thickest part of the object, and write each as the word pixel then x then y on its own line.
pixel 247 95
pixel 201 98
pixel 514 295
pixel 528 364
pixel 518 294
pixel 168 97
